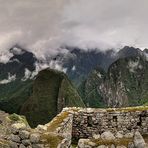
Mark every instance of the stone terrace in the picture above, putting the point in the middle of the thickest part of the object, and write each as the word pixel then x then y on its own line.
pixel 77 123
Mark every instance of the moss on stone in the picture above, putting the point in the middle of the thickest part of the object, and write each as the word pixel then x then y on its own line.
pixel 128 109
pixel 17 118
pixel 116 142
pixel 55 123
pixel 51 140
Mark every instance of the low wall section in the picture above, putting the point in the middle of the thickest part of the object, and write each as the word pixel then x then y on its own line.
pixel 95 121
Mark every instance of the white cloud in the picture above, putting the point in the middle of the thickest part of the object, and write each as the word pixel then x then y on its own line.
pixel 5 56
pixel 10 78
pixel 27 74
pixel 43 26
pixel 40 66
pixel 17 51
pixel 133 65
pixel 73 68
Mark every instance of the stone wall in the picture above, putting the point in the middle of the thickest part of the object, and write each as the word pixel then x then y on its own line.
pixel 57 133
pixel 95 121
pixel 79 123
pixel 65 130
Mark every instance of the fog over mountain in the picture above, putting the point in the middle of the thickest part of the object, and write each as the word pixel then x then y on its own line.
pixel 44 26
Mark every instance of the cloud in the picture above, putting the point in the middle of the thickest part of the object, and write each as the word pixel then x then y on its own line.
pixel 40 66
pixel 27 75
pixel 44 26
pixel 10 78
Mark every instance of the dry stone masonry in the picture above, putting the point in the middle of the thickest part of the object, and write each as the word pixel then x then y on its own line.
pixel 90 128
pixel 87 121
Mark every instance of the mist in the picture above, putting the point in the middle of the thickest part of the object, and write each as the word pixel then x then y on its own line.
pixel 44 26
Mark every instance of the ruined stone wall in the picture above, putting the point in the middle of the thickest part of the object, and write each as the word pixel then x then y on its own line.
pixel 57 133
pixel 79 123
pixel 95 121
pixel 65 130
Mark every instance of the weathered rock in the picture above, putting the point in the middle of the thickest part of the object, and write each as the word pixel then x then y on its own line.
pixel 37 146
pixel 13 144
pixel 15 138
pixel 121 146
pixel 42 128
pixel 112 146
pixel 131 145
pixel 92 144
pixel 29 146
pixel 119 135
pixel 96 136
pixel 107 136
pixel 17 126
pixel 26 142
pixel 138 140
pixel 129 135
pixel 102 146
pixel 22 146
pixel 35 138
pixel 81 143
pixel 24 134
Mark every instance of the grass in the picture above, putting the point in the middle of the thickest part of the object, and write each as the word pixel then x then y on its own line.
pixel 125 109
pixel 116 142
pixel 51 139
pixel 57 121
pixel 14 117
pixel 128 109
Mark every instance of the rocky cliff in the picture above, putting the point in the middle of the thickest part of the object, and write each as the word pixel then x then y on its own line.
pixel 124 84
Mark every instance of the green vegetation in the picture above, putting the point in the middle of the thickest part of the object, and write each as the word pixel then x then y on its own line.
pixel 41 99
pixel 89 89
pixel 129 76
pixel 124 84
pixel 14 117
pixel 51 139
pixel 128 109
pixel 57 121
pixel 14 94
pixel 51 92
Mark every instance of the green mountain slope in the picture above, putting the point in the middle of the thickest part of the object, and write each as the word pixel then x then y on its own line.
pixel 14 94
pixel 89 89
pixel 125 84
pixel 51 92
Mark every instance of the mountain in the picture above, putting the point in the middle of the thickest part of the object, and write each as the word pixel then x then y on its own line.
pixel 124 84
pixel 89 88
pixel 19 81
pixel 88 70
pixel 129 52
pixel 42 98
pixel 79 63
pixel 15 84
pixel 51 92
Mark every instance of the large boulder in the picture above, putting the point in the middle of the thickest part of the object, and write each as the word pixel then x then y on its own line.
pixel 139 141
pixel 107 136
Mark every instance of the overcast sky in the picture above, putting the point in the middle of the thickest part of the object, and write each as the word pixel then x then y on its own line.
pixel 44 25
